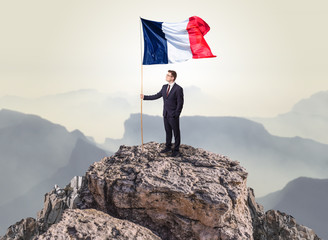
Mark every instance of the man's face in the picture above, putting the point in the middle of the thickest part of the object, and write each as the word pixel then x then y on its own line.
pixel 169 77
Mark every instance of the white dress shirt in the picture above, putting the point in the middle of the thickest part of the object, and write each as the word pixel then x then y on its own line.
pixel 171 86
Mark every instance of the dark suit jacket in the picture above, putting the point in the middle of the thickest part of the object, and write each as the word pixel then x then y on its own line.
pixel 173 103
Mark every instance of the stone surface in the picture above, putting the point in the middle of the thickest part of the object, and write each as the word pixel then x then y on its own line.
pixel 59 199
pixel 93 224
pixel 275 225
pixel 55 202
pixel 200 195
pixel 24 229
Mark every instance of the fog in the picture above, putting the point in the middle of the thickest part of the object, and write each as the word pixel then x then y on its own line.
pixel 101 115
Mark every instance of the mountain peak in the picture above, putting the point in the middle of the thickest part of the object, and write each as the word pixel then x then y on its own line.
pixel 198 195
pixel 196 189
pixel 314 105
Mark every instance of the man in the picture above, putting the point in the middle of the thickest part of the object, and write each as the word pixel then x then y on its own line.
pixel 172 95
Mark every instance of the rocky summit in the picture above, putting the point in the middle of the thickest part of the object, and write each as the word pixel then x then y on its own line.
pixel 199 195
pixel 137 194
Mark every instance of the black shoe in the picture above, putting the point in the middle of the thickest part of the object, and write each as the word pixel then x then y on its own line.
pixel 175 153
pixel 165 150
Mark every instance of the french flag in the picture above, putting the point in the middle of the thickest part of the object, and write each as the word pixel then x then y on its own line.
pixel 175 42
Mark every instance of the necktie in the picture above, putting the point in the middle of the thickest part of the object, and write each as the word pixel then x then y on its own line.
pixel 167 92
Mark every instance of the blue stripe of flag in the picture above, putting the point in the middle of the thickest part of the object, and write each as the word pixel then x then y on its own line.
pixel 155 45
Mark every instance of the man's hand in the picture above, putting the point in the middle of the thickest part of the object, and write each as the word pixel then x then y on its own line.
pixel 141 96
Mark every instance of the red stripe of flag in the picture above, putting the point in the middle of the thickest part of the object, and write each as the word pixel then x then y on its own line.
pixel 197 28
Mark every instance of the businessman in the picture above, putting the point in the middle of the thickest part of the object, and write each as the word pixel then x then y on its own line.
pixel 172 95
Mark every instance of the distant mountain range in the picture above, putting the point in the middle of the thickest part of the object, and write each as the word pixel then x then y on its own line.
pixel 77 109
pixel 305 199
pixel 36 154
pixel 308 119
pixel 41 153
pixel 270 160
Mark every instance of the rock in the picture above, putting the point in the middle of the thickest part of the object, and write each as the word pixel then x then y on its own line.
pixel 55 202
pixel 275 225
pixel 24 229
pixel 280 226
pixel 93 224
pixel 200 195
pixel 58 200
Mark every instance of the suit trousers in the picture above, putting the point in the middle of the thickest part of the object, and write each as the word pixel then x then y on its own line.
pixel 172 124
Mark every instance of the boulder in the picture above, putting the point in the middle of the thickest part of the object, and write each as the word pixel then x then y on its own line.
pixel 93 224
pixel 199 195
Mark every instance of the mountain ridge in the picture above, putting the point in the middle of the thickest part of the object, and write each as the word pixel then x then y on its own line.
pixel 308 118
pixel 305 198
pixel 33 150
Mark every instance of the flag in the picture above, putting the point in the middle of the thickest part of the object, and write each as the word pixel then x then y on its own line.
pixel 175 42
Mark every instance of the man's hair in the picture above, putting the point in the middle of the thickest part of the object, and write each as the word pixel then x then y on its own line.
pixel 174 74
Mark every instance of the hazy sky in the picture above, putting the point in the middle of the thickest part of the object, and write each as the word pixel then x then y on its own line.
pixel 270 54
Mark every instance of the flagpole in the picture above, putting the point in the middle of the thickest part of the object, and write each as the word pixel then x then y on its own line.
pixel 142 147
